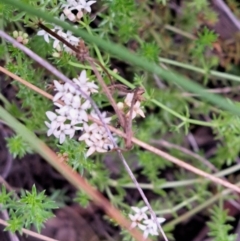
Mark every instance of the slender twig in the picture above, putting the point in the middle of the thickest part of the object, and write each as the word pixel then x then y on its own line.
pixel 128 128
pixel 192 142
pixel 186 151
pixel 223 6
pixel 58 74
pixel 202 206
pixel 108 94
pixel 12 236
pixel 155 150
pixel 31 233
pixel 216 91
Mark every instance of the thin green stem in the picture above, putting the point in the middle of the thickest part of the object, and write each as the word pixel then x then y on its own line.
pixel 197 209
pixel 200 70
pixel 5 101
pixel 156 102
pixel 176 184
pixel 178 207
pixel 94 45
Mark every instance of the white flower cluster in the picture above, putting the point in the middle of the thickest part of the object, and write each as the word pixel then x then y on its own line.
pixel 21 37
pixel 96 136
pixel 141 220
pixel 78 5
pixel 126 106
pixel 72 115
pixel 56 43
pixel 70 5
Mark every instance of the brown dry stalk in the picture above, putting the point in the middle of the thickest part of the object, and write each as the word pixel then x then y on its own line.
pixel 31 233
pixel 142 144
pixel 128 127
pixel 108 94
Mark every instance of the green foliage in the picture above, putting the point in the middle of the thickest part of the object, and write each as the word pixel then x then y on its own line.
pixel 198 5
pixel 76 155
pixel 219 227
pixel 205 39
pixel 122 16
pixel 82 198
pixel 150 51
pixel 151 30
pixel 18 147
pixel 31 208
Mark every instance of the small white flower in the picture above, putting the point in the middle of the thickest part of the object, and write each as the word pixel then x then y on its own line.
pixel 63 110
pixel 94 139
pixel 136 108
pixel 78 5
pixel 67 36
pixel 45 35
pixel 91 132
pixel 70 38
pixel 68 13
pixel 150 227
pixel 70 3
pixel 140 213
pixel 141 220
pixel 68 98
pixel 61 90
pixel 86 5
pixel 82 82
pixel 136 111
pixel 62 131
pixel 151 222
pixel 56 121
pixel 105 119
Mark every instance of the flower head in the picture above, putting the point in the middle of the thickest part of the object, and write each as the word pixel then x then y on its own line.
pixel 78 5
pixel 84 84
pixel 73 17
pixel 95 138
pixel 45 35
pixel 150 226
pixel 136 108
pixel 140 214
pixel 59 128
pixel 86 5
pixel 147 225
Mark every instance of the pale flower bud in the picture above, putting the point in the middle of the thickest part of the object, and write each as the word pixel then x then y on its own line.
pixel 19 39
pixel 25 41
pixel 79 15
pixel 120 105
pixel 15 34
pixel 56 55
pixel 69 15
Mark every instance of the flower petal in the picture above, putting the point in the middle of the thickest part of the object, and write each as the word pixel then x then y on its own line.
pixel 90 151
